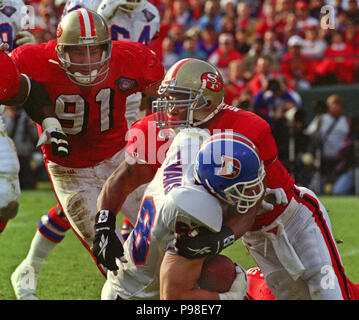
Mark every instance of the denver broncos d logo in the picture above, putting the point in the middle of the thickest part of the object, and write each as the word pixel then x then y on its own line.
pixel 230 168
pixel 213 81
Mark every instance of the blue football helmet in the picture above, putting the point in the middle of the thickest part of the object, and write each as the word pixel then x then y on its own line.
pixel 228 165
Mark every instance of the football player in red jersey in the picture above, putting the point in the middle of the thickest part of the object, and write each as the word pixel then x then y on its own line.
pixel 88 77
pixel 292 242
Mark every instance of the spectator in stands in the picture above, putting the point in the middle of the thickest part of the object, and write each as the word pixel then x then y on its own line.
pixel 182 14
pixel 228 8
pixel 275 99
pixel 196 7
pixel 212 15
pixel 176 33
pixel 236 82
pixel 169 57
pixel 250 59
pixel 269 21
pixel 339 59
pixel 329 131
pixel 315 7
pixel 245 20
pixel 290 28
pixel 295 66
pixel 264 72
pixel 353 11
pixel 273 48
pixel 303 15
pixel 228 25
pixel 225 53
pixel 241 41
pixel 190 48
pixel 349 155
pixel 312 46
pixel 208 42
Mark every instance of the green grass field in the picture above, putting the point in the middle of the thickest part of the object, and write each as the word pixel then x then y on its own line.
pixel 69 273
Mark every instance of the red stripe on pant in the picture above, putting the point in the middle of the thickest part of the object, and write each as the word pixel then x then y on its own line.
pixel 77 235
pixel 313 205
pixel 3 225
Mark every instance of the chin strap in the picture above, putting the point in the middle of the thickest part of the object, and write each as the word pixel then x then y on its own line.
pixel 211 115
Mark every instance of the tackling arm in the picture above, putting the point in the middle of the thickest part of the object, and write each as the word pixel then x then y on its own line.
pixel 124 180
pixel 173 287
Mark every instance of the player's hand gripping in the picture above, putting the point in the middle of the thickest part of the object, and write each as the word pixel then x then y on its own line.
pixel 273 197
pixel 24 37
pixel 106 245
pixel 201 242
pixel 239 286
pixel 54 134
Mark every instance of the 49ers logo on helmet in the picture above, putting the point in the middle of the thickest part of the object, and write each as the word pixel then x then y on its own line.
pixel 230 168
pixel 213 81
pixel 59 31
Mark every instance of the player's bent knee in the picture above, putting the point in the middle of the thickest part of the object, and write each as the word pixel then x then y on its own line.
pixel 80 215
pixel 9 211
pixel 9 198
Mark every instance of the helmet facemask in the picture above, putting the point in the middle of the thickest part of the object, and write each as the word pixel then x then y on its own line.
pixel 84 47
pixel 228 166
pixel 244 195
pixel 195 101
pixel 96 70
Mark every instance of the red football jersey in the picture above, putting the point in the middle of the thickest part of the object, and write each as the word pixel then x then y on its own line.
pixel 145 143
pixel 93 117
pixel 9 77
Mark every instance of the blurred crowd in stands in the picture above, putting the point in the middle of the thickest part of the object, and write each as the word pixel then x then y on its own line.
pixel 268 51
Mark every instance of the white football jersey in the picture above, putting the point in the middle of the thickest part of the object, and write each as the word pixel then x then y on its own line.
pixel 172 203
pixel 13 17
pixel 140 26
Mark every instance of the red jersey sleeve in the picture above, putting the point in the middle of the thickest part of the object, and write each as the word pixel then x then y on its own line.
pixel 138 64
pixel 145 144
pixel 9 77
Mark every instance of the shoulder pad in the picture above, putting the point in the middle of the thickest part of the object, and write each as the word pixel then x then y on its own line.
pixel 199 204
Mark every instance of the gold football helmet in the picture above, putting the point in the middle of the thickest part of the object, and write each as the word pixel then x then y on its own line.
pixel 200 88
pixel 86 29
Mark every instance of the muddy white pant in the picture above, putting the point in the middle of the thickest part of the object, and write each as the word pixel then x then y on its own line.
pixel 297 253
pixel 9 179
pixel 77 190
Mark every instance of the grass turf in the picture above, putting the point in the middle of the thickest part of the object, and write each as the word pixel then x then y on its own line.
pixel 69 273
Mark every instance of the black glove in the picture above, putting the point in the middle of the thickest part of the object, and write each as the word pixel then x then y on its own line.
pixel 106 245
pixel 203 243
pixel 60 144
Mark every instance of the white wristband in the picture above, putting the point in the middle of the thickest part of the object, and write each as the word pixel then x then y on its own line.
pixel 51 123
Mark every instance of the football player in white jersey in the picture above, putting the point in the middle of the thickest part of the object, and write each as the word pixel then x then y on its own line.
pixel 176 202
pixel 13 19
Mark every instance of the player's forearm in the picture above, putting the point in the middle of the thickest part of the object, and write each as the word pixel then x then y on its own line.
pixel 38 104
pixel 123 181
pixel 173 287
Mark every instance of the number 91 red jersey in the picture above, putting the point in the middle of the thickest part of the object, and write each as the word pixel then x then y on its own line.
pixel 93 117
